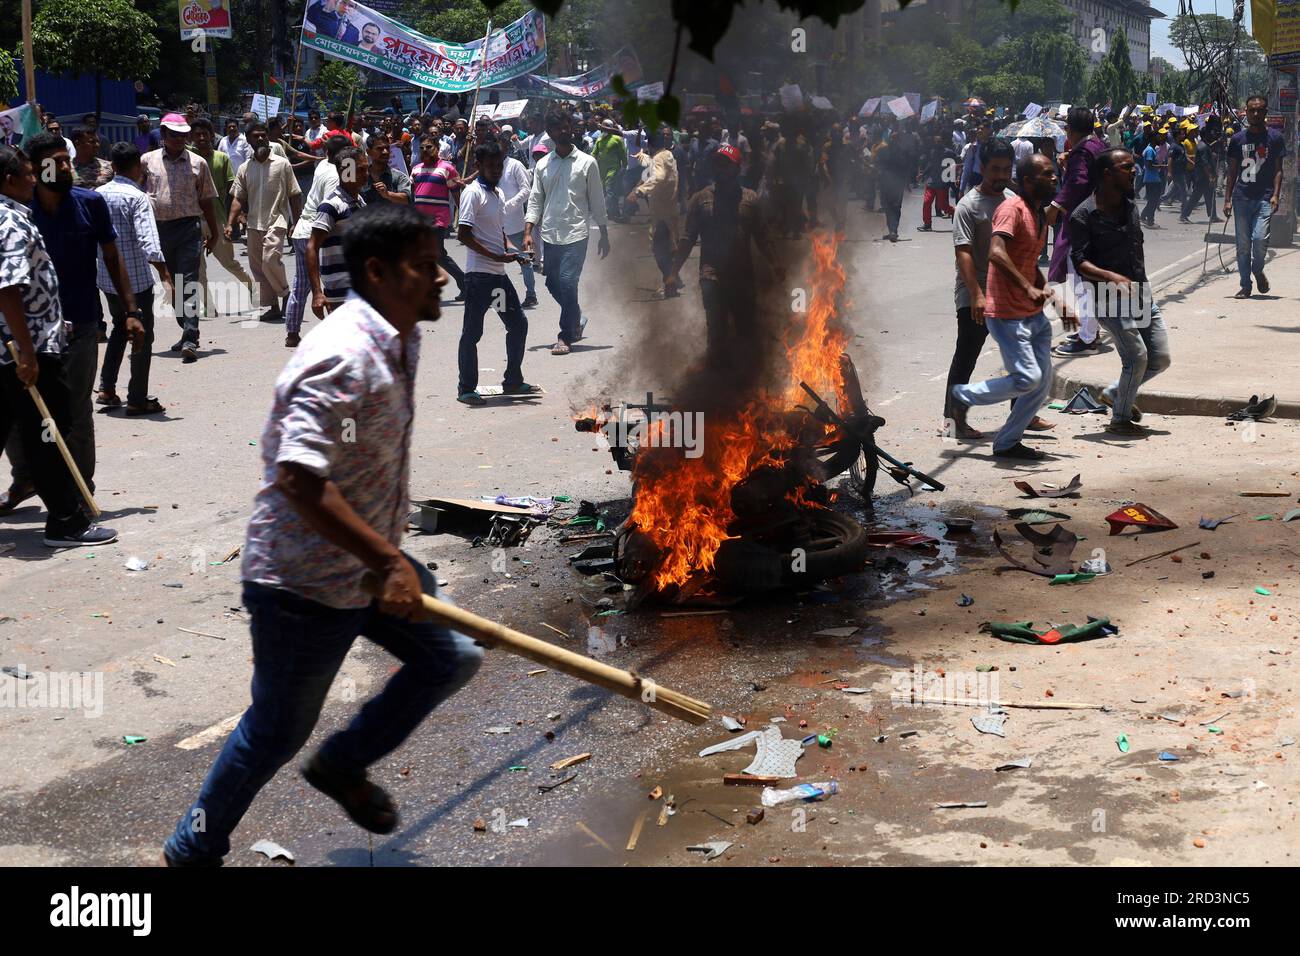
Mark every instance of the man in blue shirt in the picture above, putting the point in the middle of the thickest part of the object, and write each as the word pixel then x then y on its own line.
pixel 75 226
pixel 1253 189
pixel 145 138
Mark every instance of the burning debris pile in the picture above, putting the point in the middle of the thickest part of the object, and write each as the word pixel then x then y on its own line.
pixel 729 482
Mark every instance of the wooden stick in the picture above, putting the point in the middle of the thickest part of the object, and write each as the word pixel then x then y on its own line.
pixel 293 96
pixel 58 440
pixel 555 629
pixel 200 633
pixel 623 682
pixel 591 833
pixel 636 832
pixel 1162 554
pixel 1035 705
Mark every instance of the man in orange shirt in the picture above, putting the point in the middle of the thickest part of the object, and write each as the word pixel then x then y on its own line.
pixel 1013 309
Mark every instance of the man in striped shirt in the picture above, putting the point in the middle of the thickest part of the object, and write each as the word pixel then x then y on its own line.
pixel 431 184
pixel 326 269
pixel 324 181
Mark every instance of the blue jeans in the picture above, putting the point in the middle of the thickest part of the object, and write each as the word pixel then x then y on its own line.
pixel 1026 346
pixel 1143 347
pixel 563 264
pixel 530 277
pixel 485 291
pixel 298 646
pixel 1252 223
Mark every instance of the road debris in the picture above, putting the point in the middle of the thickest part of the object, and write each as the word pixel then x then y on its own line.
pixel 272 850
pixel 1070 490
pixel 711 850
pixel 803 792
pixel 570 761
pixel 1024 763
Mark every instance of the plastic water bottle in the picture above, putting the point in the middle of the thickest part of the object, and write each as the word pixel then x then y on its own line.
pixel 800 792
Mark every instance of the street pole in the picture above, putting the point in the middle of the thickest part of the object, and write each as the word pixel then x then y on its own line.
pixel 210 72
pixel 293 96
pixel 29 58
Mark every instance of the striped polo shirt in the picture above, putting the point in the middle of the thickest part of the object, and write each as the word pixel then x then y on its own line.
pixel 429 189
pixel 331 214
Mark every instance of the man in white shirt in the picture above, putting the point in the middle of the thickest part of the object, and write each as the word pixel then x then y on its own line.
pixel 324 182
pixel 315 128
pixel 1023 150
pixel 235 146
pixel 483 230
pixel 267 192
pixel 536 137
pixel 516 184
pixel 567 193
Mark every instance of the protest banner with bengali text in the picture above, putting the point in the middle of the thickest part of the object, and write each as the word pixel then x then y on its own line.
pixel 594 84
pixel 1286 34
pixel 366 38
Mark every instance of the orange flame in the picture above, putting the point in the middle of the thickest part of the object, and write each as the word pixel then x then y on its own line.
pixel 684 504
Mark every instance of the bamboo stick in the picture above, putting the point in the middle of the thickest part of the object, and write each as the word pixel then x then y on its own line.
pixel 58 440
pixel 623 682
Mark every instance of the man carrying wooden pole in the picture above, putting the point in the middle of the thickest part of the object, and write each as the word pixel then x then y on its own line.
pixel 32 361
pixel 332 509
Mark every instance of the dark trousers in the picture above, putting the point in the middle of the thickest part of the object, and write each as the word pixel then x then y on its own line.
pixel 485 291
pixel 182 248
pixel 1202 188
pixel 970 342
pixel 137 392
pixel 729 315
pixel 78 364
pixel 447 262
pixel 563 264
pixel 1154 192
pixel 45 467
pixel 891 201
pixel 298 647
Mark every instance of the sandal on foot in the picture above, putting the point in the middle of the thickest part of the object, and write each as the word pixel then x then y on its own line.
pixel 366 804
pixel 1040 425
pixel 560 348
pixel 108 399
pixel 150 407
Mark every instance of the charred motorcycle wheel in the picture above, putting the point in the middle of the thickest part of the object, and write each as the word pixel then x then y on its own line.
pixel 835 544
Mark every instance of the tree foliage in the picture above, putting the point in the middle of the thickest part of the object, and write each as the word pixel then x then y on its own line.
pixel 110 39
pixel 336 82
pixel 1001 56
pixel 1114 80
pixel 8 78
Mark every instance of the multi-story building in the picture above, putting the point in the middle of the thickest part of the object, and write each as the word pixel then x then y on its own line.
pixel 1090 16
pixel 1098 20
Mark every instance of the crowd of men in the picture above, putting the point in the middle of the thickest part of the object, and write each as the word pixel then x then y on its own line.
pixel 131 217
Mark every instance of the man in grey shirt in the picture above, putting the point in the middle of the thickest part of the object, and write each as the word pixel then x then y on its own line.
pixel 972 232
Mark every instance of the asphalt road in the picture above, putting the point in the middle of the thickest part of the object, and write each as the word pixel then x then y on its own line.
pixel 179 489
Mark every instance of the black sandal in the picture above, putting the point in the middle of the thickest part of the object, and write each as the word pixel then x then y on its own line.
pixel 371 808
pixel 150 407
